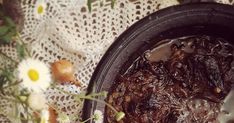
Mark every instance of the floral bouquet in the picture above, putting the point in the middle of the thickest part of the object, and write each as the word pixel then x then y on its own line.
pixel 24 80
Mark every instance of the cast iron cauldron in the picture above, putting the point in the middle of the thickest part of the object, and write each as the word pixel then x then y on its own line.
pixel 210 19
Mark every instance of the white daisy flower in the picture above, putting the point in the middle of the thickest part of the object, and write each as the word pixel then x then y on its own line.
pixel 45 115
pixel 37 101
pixel 40 9
pixel 98 116
pixel 35 75
pixel 63 118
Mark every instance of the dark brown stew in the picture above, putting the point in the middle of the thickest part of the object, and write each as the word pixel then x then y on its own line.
pixel 182 81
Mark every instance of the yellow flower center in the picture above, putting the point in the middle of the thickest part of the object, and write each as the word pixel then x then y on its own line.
pixel 40 9
pixel 33 75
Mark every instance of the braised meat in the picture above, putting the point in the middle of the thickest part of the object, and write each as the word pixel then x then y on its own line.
pixel 187 87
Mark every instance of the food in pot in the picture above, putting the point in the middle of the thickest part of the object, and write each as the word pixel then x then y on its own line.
pixel 183 80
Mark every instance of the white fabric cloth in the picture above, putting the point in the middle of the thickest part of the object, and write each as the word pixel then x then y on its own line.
pixel 69 31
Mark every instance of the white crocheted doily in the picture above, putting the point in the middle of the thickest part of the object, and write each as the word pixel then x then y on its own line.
pixel 69 31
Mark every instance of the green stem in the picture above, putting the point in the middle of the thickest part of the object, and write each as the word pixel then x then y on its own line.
pixel 22 42
pixel 24 106
pixel 22 118
pixel 27 111
pixel 113 3
pixel 9 99
pixel 87 120
pixel 17 101
pixel 89 97
pixel 89 4
pixel 30 117
pixel 16 83
pixel 101 101
pixel 96 94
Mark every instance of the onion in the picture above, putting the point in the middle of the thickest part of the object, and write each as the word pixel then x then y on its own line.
pixel 63 71
pixel 53 115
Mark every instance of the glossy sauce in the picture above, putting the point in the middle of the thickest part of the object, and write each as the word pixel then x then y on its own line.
pixel 183 80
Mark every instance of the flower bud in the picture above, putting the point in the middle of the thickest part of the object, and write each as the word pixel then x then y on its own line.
pixel 37 101
pixel 119 116
pixel 23 98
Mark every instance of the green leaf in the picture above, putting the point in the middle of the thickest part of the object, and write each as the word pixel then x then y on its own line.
pixel 113 3
pixel 7 38
pixel 21 50
pixel 8 72
pixel 3 30
pixel 7 30
pixel 89 5
pixel 16 110
pixel 9 22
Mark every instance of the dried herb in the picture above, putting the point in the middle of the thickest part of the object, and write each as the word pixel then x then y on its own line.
pixel 89 4
pixel 7 28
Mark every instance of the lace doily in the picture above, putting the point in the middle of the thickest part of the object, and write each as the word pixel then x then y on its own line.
pixel 69 31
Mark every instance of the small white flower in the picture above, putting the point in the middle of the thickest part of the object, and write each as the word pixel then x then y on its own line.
pixel 98 116
pixel 37 101
pixel 63 118
pixel 45 115
pixel 35 75
pixel 40 9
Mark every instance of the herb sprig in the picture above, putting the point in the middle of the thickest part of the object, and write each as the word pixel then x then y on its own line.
pixel 89 4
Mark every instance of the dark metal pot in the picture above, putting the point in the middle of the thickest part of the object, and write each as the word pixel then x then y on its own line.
pixel 183 20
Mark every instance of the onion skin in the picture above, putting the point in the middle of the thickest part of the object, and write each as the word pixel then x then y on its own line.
pixel 63 72
pixel 53 116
